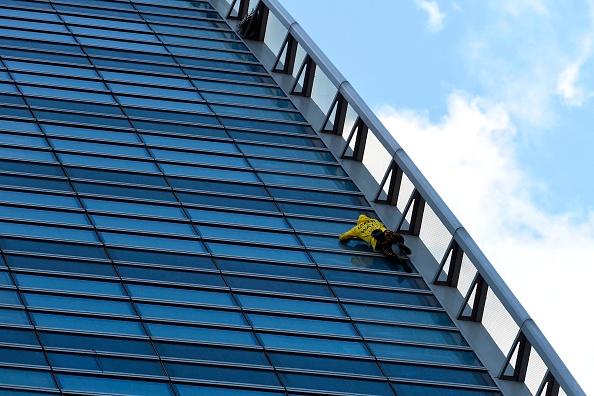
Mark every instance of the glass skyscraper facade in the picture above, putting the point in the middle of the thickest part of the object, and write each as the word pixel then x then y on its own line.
pixel 169 224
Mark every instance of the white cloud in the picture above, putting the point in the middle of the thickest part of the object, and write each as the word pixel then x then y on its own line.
pixel 469 158
pixel 567 88
pixel 435 16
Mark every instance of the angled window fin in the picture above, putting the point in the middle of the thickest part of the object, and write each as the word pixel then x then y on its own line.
pixel 448 273
pixel 359 132
pixel 516 364
pixel 412 216
pixel 388 194
pixel 285 61
pixel 474 303
pixel 335 119
pixel 549 386
pixel 305 78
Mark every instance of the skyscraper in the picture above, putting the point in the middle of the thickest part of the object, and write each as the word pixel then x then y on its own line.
pixel 171 198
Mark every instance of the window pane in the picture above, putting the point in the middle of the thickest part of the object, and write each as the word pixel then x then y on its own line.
pixel 212 353
pixel 170 275
pixel 439 374
pixel 397 314
pixel 28 377
pixel 300 324
pixel 290 305
pixel 143 225
pixel 100 363
pixel 415 334
pixel 168 259
pixel 237 218
pixel 426 390
pixel 152 242
pixel 87 323
pixel 324 363
pixel 202 334
pixel 323 345
pixel 60 265
pixel 78 304
pixel 258 252
pixel 69 284
pixel 181 295
pixel 199 315
pixel 107 385
pixel 427 354
pixel 96 343
pixel 222 373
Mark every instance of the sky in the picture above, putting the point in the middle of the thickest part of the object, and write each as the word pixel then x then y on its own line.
pixel 494 102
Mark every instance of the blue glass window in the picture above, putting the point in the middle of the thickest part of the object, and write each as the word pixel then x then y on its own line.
pixel 427 390
pixel 99 11
pixel 212 353
pixel 213 173
pixel 132 65
pixel 325 363
pixel 26 154
pixel 60 265
pixel 19 126
pixel 199 315
pixel 172 116
pixel 28 377
pixel 9 297
pixel 257 113
pixel 201 158
pixel 370 278
pixel 254 235
pixel 39 246
pixel 65 81
pixel 125 191
pixel 427 354
pixel 401 315
pixel 230 249
pixel 336 384
pixel 88 133
pixel 210 216
pixel 170 275
pixel 117 163
pixel 147 79
pixel 290 305
pixel 330 227
pixel 88 323
pixel 133 208
pixel 100 363
pixel 18 336
pixel 69 284
pixel 324 211
pixel 427 300
pixel 143 225
pixel 222 373
pixel 258 267
pixel 163 104
pixel 294 166
pixel 221 64
pixel 323 345
pixel 35 230
pixel 191 130
pixel 107 385
pixel 154 91
pixel 50 69
pixel 13 316
pixel 205 200
pixel 117 34
pixel 217 186
pixel 34 25
pixel 18 139
pixel 177 20
pixel 102 148
pixel 116 176
pixel 300 324
pixel 203 390
pixel 307 181
pixel 22 356
pixel 78 304
pixel 415 334
pixel 169 259
pixel 178 294
pixel 231 76
pixel 96 343
pixel 107 23
pixel 35 182
pixel 278 286
pixel 152 242
pixel 71 94
pixel 239 88
pixel 98 120
pixel 203 334
pixel 183 143
pixel 203 43
pixel 439 374
pixel 299 154
pixel 66 201
pixel 42 215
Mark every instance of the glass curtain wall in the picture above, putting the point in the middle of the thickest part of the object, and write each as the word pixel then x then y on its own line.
pixel 169 222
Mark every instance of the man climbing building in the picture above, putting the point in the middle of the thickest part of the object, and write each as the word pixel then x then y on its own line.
pixel 380 238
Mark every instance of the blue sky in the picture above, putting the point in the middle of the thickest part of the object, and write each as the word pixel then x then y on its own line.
pixel 494 101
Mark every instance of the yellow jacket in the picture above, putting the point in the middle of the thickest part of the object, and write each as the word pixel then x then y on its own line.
pixel 365 226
